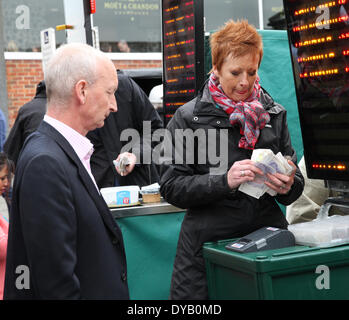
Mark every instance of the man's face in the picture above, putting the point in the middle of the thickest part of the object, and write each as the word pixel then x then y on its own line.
pixel 100 98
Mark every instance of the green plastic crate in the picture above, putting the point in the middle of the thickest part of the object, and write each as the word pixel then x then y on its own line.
pixel 298 272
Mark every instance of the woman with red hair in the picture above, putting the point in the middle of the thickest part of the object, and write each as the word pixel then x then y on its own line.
pixel 233 106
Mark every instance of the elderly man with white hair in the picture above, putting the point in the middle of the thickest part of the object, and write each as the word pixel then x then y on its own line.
pixel 63 242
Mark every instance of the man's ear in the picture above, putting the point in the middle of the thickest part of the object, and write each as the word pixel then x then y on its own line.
pixel 81 91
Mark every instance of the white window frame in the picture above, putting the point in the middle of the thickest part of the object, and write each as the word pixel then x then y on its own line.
pixel 112 55
pixel 119 55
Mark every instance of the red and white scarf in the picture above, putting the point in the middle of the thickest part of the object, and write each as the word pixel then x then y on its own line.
pixel 249 114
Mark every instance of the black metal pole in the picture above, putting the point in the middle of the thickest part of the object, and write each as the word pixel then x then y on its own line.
pixel 88 26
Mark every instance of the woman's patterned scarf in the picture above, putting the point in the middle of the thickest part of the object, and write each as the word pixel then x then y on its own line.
pixel 249 114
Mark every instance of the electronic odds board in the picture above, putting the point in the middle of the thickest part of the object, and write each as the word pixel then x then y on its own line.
pixel 318 33
pixel 183 52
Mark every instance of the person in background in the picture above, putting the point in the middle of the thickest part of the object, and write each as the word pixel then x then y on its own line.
pixel 106 47
pixel 307 206
pixel 3 249
pixel 233 105
pixel 3 129
pixel 123 46
pixel 134 108
pixel 27 121
pixel 12 46
pixel 156 98
pixel 61 230
pixel 6 170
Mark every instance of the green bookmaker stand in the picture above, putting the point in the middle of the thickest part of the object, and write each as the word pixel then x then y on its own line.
pixel 150 235
pixel 299 272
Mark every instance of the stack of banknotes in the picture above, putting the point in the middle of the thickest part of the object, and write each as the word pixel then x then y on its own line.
pixel 122 163
pixel 268 162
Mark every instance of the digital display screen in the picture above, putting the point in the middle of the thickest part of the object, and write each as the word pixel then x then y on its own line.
pixel 183 37
pixel 318 33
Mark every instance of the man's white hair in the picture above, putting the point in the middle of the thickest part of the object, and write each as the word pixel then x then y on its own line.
pixel 70 64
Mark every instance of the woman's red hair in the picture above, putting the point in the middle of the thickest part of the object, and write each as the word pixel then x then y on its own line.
pixel 235 39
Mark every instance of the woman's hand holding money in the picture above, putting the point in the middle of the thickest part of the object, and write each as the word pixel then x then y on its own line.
pixel 242 171
pixel 281 183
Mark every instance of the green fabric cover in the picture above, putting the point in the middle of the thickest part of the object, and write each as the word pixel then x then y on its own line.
pixel 150 244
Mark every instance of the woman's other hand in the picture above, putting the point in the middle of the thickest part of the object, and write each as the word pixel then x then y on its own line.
pixel 242 171
pixel 281 183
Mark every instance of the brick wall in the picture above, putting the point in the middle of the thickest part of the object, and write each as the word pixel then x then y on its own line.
pixel 24 75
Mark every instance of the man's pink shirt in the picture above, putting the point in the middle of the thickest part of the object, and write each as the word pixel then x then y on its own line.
pixel 81 145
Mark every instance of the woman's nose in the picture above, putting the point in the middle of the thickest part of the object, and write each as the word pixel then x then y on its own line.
pixel 243 81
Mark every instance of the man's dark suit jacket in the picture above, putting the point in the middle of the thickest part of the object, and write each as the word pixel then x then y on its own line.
pixel 61 228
